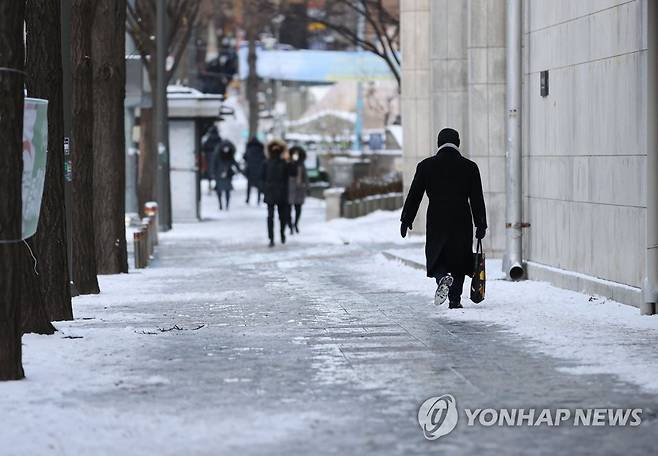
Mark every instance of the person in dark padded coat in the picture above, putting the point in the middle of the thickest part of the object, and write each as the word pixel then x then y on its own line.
pixel 225 167
pixel 210 143
pixel 254 156
pixel 275 187
pixel 456 202
pixel 297 185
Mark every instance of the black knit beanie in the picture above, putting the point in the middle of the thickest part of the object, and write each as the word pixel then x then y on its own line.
pixel 448 135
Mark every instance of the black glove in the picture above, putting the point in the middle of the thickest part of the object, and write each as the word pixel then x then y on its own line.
pixel 403 229
pixel 480 232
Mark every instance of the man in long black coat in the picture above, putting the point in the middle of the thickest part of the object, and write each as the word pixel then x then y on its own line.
pixel 454 189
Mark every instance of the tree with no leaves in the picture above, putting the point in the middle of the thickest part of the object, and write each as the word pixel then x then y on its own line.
pixel 252 26
pixel 182 17
pixel 256 15
pixel 50 297
pixel 82 143
pixel 12 15
pixel 382 36
pixel 108 79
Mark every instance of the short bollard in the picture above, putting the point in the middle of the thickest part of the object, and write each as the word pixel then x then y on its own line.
pixel 144 247
pixel 147 241
pixel 152 210
pixel 150 228
pixel 153 234
pixel 333 198
pixel 137 243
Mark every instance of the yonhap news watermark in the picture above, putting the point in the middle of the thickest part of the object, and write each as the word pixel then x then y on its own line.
pixel 438 416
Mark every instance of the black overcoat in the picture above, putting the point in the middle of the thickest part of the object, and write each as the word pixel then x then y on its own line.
pixel 209 145
pixel 454 190
pixel 254 156
pixel 275 181
pixel 224 165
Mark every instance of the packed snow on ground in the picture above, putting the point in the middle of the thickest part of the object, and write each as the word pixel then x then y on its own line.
pixel 378 227
pixel 601 335
pixel 83 359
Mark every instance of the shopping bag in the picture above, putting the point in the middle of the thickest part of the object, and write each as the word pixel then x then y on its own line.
pixel 479 281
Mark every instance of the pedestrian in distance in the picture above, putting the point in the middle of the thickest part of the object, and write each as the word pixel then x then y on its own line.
pixel 210 143
pixel 254 157
pixel 225 167
pixel 297 185
pixel 275 185
pixel 454 189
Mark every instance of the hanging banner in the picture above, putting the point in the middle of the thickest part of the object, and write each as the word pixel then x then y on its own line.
pixel 311 66
pixel 35 148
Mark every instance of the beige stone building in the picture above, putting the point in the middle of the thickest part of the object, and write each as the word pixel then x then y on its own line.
pixel 584 143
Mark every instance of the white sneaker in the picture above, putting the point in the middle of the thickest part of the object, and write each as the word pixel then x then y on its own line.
pixel 442 290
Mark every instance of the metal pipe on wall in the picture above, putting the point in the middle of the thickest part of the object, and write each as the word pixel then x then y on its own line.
pixel 650 285
pixel 513 263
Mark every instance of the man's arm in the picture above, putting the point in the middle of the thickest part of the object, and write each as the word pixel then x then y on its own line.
pixel 412 203
pixel 478 208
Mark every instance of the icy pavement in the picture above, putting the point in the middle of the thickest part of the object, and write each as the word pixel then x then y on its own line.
pixel 322 346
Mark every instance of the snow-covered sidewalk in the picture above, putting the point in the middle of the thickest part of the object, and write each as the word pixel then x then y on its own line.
pixel 321 346
pixel 601 335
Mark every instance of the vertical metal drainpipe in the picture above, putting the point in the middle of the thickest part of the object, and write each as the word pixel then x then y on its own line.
pixel 513 263
pixel 650 286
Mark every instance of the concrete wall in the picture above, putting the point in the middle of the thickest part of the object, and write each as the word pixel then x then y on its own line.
pixel 486 110
pixel 584 144
pixel 416 95
pixel 453 75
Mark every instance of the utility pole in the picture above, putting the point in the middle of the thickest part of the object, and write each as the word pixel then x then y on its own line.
pixel 67 87
pixel 358 124
pixel 161 125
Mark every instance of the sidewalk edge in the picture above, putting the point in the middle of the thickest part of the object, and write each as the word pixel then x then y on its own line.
pixel 405 261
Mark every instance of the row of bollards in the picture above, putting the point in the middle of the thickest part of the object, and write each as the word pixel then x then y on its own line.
pixel 364 206
pixel 146 237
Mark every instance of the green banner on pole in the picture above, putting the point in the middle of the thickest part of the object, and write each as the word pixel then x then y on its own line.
pixel 35 150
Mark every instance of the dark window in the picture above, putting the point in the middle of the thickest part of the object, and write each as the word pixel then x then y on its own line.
pixel 543 83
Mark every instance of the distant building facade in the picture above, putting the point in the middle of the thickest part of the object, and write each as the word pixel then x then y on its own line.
pixel 584 137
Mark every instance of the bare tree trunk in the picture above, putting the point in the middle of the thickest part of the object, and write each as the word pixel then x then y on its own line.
pixel 34 318
pixel 252 79
pixel 148 161
pixel 109 76
pixel 12 51
pixel 44 80
pixel 141 18
pixel 84 255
